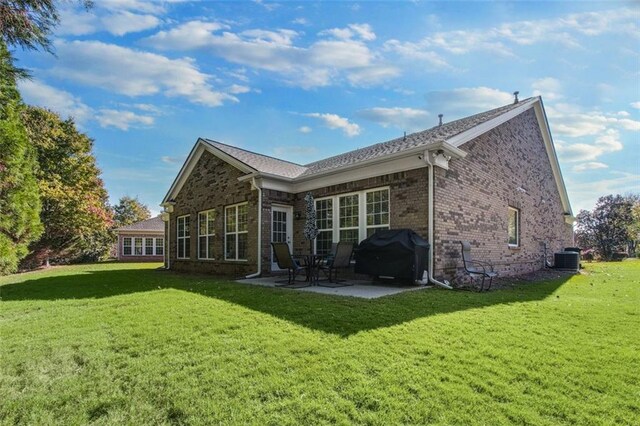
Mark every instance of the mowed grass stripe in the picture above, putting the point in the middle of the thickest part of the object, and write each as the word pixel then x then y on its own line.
pixel 124 343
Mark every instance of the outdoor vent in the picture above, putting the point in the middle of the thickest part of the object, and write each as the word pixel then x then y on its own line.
pixel 567 260
pixel 515 94
pixel 440 117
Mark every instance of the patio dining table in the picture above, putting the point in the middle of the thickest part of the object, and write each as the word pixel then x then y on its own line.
pixel 312 264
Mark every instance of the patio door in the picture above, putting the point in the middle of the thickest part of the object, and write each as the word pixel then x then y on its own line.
pixel 281 229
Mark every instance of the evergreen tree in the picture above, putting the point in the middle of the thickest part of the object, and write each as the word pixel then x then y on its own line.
pixel 75 213
pixel 19 196
pixel 129 210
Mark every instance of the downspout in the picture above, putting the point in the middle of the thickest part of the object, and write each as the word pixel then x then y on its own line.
pixel 444 284
pixel 167 249
pixel 259 272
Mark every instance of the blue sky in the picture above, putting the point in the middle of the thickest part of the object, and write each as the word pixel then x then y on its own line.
pixel 306 80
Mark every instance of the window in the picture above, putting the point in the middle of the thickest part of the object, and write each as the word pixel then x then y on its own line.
pixel 184 237
pixel 206 232
pixel 324 221
pixel 235 226
pixel 349 218
pixel 126 246
pixel 159 246
pixel 514 227
pixel 377 211
pixel 148 246
pixel 137 247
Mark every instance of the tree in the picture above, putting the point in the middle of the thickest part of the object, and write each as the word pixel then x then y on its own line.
pixel 75 213
pixel 29 24
pixel 19 196
pixel 129 210
pixel 607 227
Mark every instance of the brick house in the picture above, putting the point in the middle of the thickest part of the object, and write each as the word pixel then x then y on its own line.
pixel 492 179
pixel 141 241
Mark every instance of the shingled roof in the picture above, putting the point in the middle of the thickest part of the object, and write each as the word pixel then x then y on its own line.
pixel 261 163
pixel 155 224
pixel 274 166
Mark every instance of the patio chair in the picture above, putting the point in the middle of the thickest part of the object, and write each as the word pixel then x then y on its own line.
pixel 286 261
pixel 340 260
pixel 475 267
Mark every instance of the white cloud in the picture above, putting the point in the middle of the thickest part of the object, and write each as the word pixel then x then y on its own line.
pixel 549 88
pixel 122 119
pixel 66 105
pixel 505 38
pixel 323 62
pixel 37 93
pixel 334 121
pixel 606 142
pixel 300 21
pixel 361 31
pixel 417 52
pixel 584 193
pixel 135 73
pixel 409 119
pixel 126 22
pixel 593 165
pixel 635 105
pixel 83 22
pixel 237 89
pixel 468 99
pixel 171 160
pixel 305 129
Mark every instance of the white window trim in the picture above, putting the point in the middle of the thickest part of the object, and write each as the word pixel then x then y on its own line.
pixel 156 246
pixel 385 226
pixel 130 245
pixel 200 235
pixel 144 246
pixel 333 221
pixel 517 244
pixel 362 212
pixel 236 232
pixel 184 239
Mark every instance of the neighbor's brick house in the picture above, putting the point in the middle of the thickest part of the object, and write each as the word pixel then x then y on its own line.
pixel 141 241
pixel 497 183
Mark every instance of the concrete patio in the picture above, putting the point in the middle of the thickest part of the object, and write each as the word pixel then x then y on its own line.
pixel 360 288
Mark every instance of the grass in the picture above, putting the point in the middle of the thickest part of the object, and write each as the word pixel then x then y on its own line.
pixel 124 343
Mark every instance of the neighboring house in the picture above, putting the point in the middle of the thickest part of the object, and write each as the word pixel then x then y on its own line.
pixel 492 179
pixel 142 241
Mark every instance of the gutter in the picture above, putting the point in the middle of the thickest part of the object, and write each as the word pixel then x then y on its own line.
pixel 259 272
pixel 431 279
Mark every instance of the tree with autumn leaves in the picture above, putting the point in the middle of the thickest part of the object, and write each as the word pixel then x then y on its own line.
pixel 75 212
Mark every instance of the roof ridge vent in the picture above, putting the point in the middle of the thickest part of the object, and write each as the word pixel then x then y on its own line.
pixel 440 119
pixel 515 94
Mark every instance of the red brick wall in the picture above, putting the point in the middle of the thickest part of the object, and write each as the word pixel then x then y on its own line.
pixel 507 166
pixel 213 184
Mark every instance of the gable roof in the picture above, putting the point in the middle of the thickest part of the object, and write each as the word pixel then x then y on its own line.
pixel 414 140
pixel 260 162
pixel 449 135
pixel 155 224
pixel 274 166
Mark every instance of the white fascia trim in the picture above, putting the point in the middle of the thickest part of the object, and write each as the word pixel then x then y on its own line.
pixel 347 175
pixel 451 150
pixel 476 131
pixel 196 152
pixel 553 159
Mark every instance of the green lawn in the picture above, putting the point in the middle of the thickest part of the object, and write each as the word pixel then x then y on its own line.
pixel 124 343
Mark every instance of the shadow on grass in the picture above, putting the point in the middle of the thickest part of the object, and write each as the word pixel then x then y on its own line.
pixel 337 315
